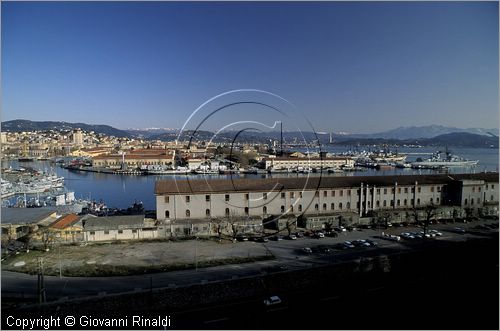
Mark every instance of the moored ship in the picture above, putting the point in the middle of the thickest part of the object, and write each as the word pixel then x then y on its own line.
pixel 449 160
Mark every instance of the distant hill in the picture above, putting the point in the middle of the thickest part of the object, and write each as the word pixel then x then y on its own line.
pixel 463 139
pixel 455 139
pixel 26 125
pixel 148 133
pixel 416 132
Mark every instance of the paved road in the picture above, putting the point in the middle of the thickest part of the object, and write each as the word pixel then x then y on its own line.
pixel 287 253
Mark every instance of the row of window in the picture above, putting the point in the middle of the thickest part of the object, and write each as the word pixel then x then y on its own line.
pixel 466 201
pixel 478 189
pixel 107 231
pixel 317 193
pixel 316 207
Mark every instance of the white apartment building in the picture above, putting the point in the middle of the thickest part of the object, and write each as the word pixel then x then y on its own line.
pixel 243 198
pixel 281 163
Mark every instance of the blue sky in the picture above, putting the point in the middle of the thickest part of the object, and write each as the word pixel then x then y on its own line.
pixel 357 67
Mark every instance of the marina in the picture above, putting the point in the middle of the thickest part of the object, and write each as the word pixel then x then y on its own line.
pixel 120 190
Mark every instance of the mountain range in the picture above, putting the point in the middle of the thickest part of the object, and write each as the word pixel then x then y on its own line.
pixel 429 131
pixel 431 135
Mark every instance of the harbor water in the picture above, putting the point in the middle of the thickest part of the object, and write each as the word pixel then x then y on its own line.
pixel 121 191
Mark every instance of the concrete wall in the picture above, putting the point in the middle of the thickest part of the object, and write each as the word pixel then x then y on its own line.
pixel 124 234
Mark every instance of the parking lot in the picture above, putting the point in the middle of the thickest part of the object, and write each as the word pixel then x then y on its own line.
pixel 345 244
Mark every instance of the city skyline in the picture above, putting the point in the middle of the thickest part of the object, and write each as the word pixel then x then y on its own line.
pixel 355 67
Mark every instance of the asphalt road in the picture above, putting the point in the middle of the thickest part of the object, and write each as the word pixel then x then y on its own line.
pixel 287 253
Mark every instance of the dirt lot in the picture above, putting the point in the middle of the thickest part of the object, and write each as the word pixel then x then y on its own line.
pixel 135 257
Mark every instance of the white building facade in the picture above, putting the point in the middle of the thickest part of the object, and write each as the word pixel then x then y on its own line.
pixel 281 163
pixel 205 199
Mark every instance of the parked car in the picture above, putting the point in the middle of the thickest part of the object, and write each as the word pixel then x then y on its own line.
pixel 319 235
pixel 407 235
pixel 291 237
pixel 360 243
pixel 436 232
pixel 241 238
pixel 307 250
pixel 459 230
pixel 347 245
pixel 273 300
pixel 262 240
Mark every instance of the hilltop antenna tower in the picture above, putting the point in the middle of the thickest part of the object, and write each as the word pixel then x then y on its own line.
pixel 281 138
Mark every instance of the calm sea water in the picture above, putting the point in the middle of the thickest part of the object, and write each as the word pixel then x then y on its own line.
pixel 122 190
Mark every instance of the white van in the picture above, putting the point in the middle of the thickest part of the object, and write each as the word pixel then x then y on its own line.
pixel 274 300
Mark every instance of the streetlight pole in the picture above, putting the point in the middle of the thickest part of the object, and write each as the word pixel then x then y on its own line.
pixel 60 262
pixel 196 254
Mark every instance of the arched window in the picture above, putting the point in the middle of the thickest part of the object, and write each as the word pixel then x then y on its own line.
pixel 418 201
pixel 340 206
pixel 405 202
pixel 282 209
pixel 378 203
pixel 398 202
pixel 385 203
pixel 167 214
pixel 264 209
pixel 472 202
pixel 332 206
pixel 207 212
pixel 431 201
pixel 491 198
pixel 466 202
pixel 246 210
pixel 188 213
pixel 227 211
pixel 348 205
pixel 316 207
pixel 300 208
pixel 324 206
pixel 291 209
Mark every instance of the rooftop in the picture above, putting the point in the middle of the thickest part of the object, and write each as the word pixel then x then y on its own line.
pixel 65 221
pixel 114 222
pixel 25 215
pixel 190 186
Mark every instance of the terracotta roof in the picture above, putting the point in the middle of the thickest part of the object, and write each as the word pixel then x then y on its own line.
pixel 193 186
pixel 65 221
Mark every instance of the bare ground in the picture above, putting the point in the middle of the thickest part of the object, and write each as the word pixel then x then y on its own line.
pixel 135 257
